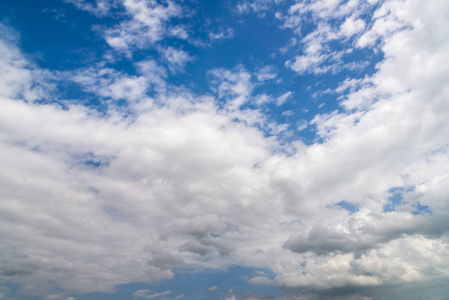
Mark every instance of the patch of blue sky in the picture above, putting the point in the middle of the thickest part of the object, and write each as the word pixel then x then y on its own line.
pixel 62 42
pixel 11 288
pixel 421 209
pixel 91 161
pixel 193 286
pixel 396 198
pixel 349 206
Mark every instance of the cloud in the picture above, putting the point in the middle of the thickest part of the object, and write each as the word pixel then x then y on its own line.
pixel 256 6
pixel 101 7
pixel 351 27
pixel 146 25
pixel 302 124
pixel 18 77
pixel 91 199
pixel 236 87
pixel 387 20
pixel 283 98
pixel 324 239
pixel 222 34
pixel 147 294
pixel 176 59
pixel 334 21
pixel 247 296
pixel 267 73
pixel 109 84
pixel 85 221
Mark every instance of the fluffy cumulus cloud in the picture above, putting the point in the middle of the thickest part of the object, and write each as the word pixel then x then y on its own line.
pixel 164 177
pixel 146 24
pixel 355 24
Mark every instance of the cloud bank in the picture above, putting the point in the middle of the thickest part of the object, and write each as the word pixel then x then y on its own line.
pixel 174 179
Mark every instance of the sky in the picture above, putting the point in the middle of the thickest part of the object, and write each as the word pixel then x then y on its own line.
pixel 232 150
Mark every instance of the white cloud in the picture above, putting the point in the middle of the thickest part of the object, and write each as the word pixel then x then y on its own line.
pixel 101 7
pixel 288 113
pixel 105 200
pixel 88 213
pixel 302 124
pixel 109 83
pixel 236 87
pixel 177 59
pixel 262 99
pixel 387 20
pixel 257 6
pixel 222 34
pixel 291 43
pixel 18 77
pixel 147 294
pixel 179 32
pixel 307 63
pixel 266 73
pixel 318 55
pixel 283 98
pixel 147 24
pixel 351 27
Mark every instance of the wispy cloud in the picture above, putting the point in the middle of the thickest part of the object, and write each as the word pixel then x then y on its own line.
pixel 267 73
pixel 283 98
pixel 221 34
pixel 147 294
pixel 147 24
pixel 100 8
pixel 176 59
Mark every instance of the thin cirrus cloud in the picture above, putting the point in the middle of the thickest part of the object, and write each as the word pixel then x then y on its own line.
pixel 127 173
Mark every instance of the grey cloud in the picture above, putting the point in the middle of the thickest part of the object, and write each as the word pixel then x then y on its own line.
pixel 247 296
pixel 166 261
pixel 206 233
pixel 19 270
pixel 197 247
pixel 423 290
pixel 359 237
pixel 323 241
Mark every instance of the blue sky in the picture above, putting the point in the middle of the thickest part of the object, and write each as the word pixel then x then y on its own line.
pixel 248 149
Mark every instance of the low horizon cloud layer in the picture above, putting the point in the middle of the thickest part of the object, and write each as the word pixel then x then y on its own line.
pixel 158 176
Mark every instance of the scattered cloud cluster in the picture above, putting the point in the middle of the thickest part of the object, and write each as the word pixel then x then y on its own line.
pixel 221 34
pixel 147 24
pixel 100 8
pixel 354 24
pixel 259 7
